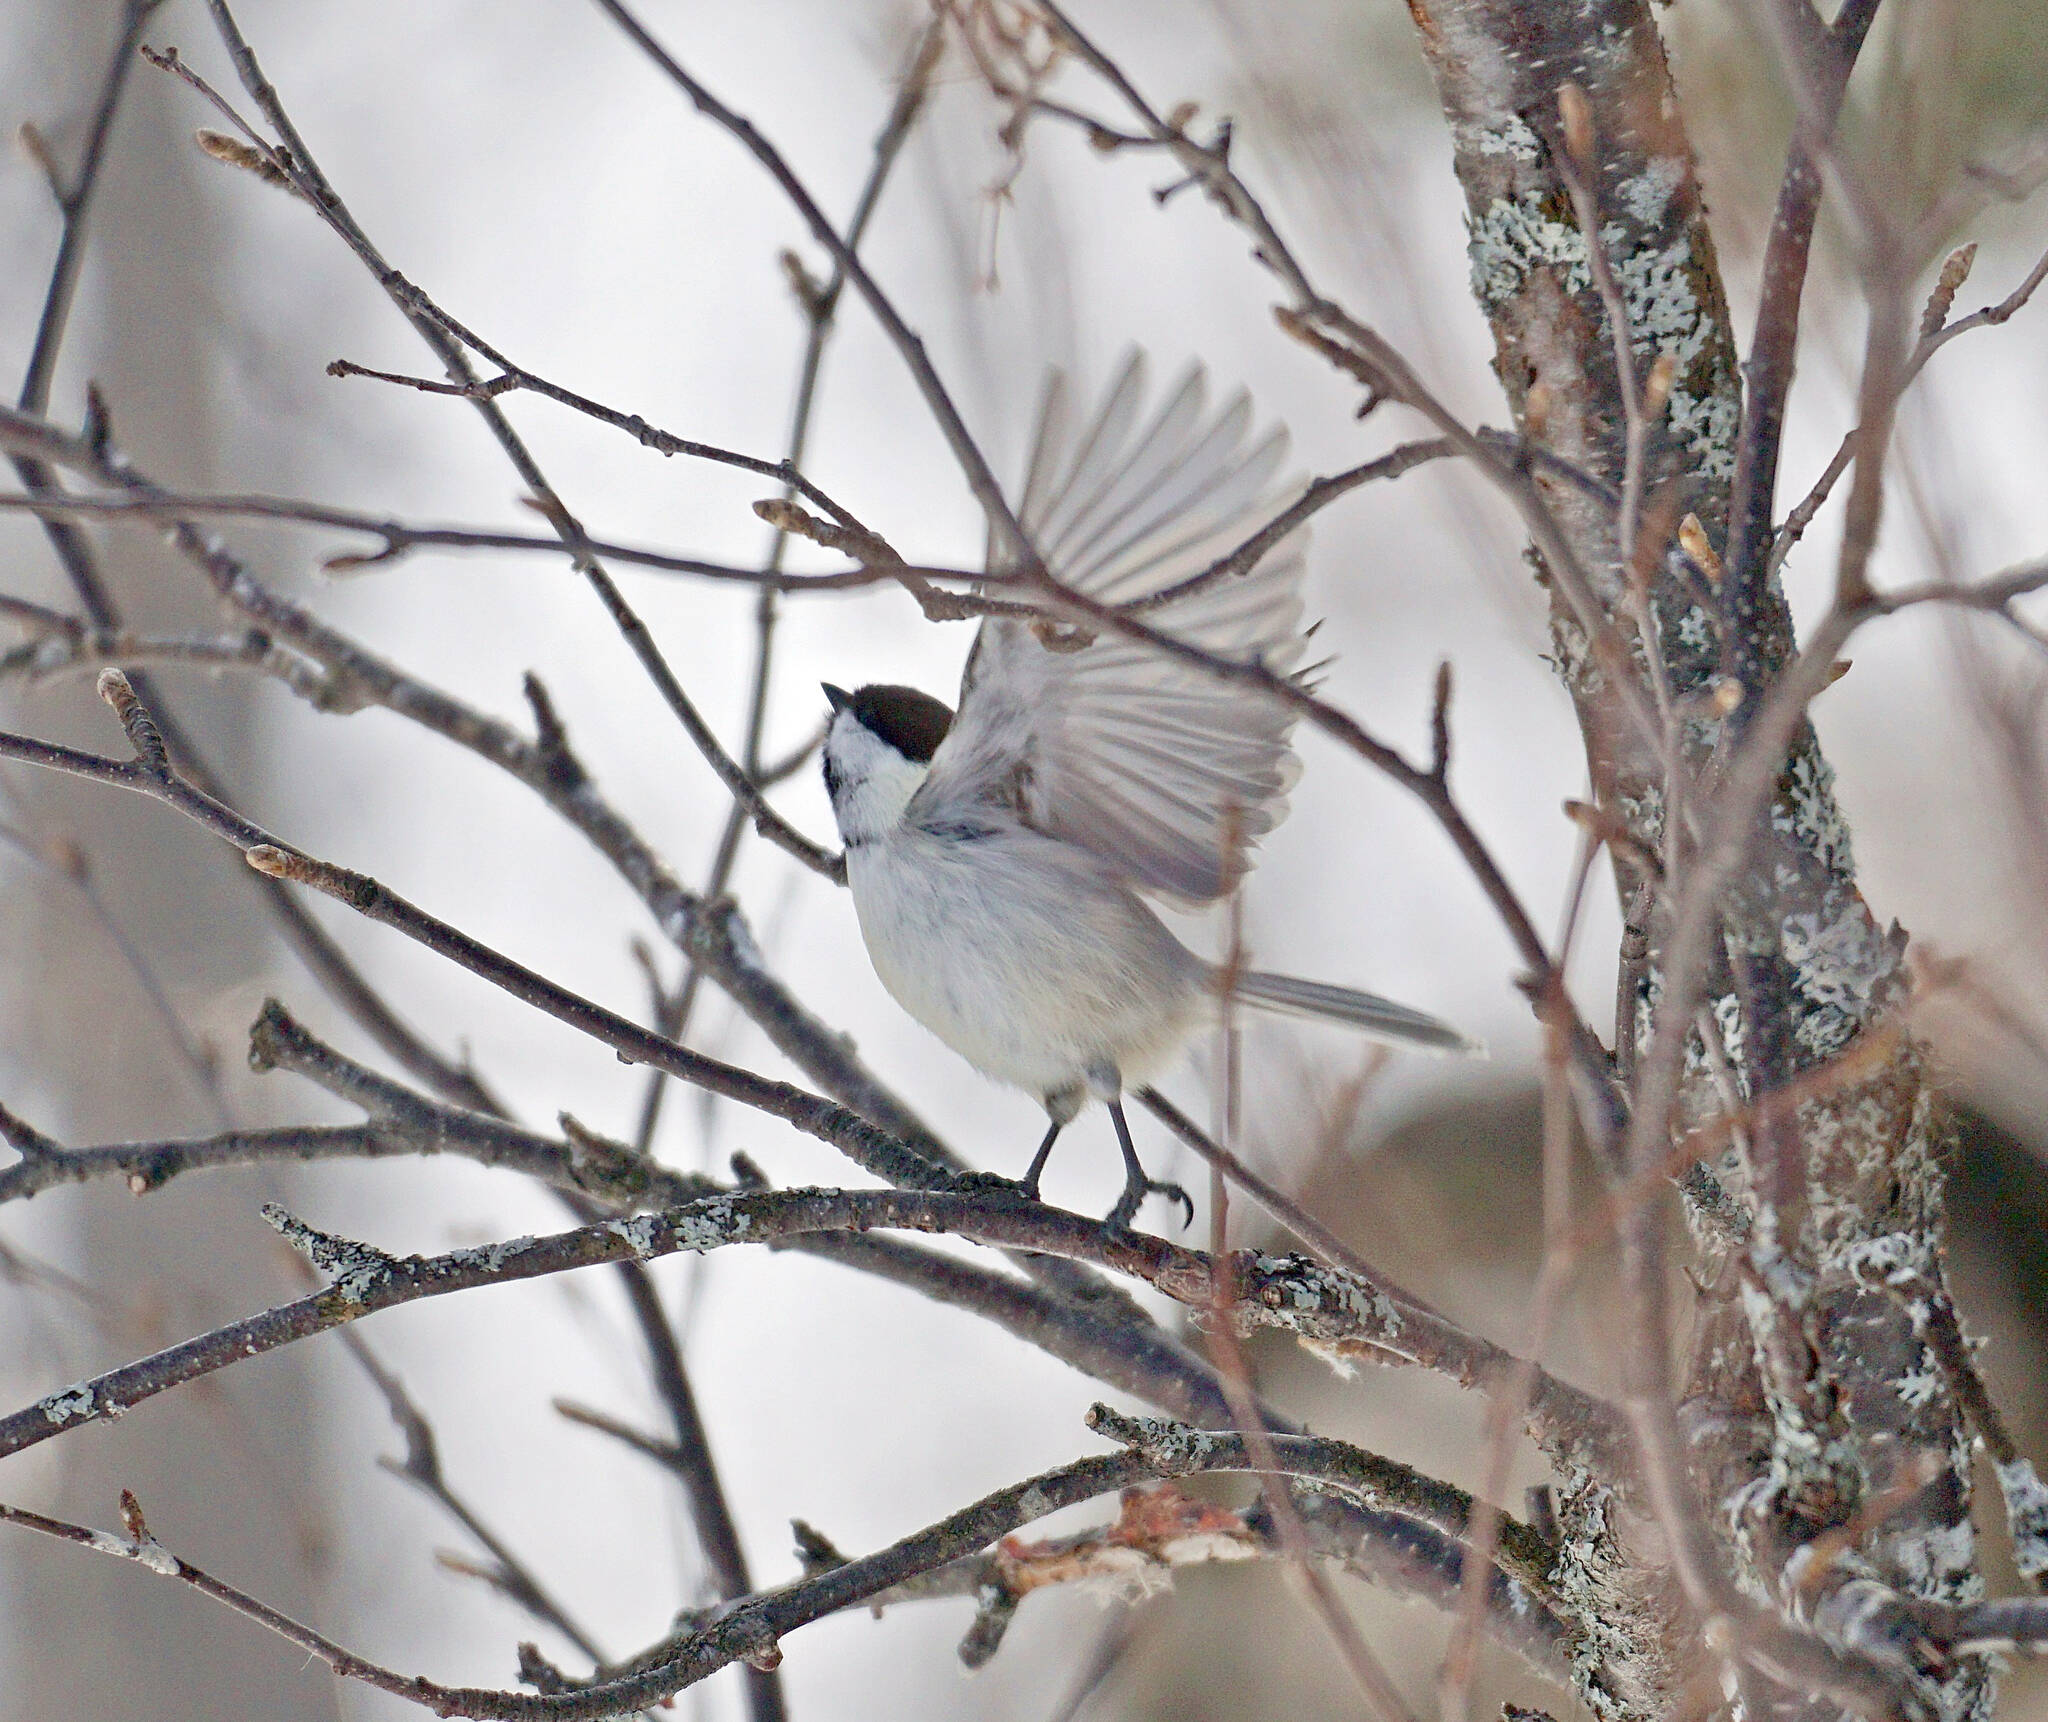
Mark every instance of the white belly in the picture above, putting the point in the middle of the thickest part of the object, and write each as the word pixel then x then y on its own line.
pixel 1025 956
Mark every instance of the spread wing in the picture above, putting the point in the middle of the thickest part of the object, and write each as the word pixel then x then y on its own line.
pixel 1163 771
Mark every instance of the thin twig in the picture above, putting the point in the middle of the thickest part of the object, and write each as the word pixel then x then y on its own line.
pixel 400 539
pixel 674 1009
pixel 1515 1390
pixel 1383 1700
pixel 74 204
pixel 1749 554
pixel 296 161
pixel 512 376
pixel 61 860
pixel 974 466
pixel 421 1467
pixel 1315 497
pixel 697 1471
pixel 74 553
pixel 1794 526
pixel 145 1551
pixel 1569 1423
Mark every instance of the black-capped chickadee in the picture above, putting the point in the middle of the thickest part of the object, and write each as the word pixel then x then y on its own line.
pixel 997 854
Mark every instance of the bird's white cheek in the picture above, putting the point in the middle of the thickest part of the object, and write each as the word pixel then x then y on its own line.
pixel 875 784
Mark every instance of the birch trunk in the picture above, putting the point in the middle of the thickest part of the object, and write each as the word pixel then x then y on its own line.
pixel 1808 1393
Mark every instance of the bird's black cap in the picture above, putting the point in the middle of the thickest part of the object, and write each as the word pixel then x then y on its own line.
pixel 910 721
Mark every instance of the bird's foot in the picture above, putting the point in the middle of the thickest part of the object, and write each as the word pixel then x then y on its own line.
pixel 1117 1223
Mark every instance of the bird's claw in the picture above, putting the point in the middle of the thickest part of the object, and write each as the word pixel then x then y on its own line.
pixel 1118 1221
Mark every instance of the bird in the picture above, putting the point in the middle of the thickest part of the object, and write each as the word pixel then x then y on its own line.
pixel 1001 855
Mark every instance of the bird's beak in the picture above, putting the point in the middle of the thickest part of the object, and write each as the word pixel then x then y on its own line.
pixel 839 697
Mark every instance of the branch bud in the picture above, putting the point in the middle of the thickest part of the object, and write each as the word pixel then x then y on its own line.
pixel 1657 386
pixel 1577 114
pixel 1699 549
pixel 1954 272
pixel 37 148
pixel 248 157
pixel 143 735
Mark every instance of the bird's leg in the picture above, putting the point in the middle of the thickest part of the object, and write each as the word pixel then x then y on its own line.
pixel 1039 1159
pixel 1136 1185
pixel 1060 1107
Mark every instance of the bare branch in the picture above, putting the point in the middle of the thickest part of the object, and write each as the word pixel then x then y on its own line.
pixel 401 539
pixel 74 202
pixel 1794 526
pixel 1174 1449
pixel 1315 497
pixel 421 1467
pixel 751 1629
pixel 673 1008
pixel 297 162
pixel 143 1549
pixel 1574 1427
pixel 878 1152
pixel 1292 1293
pixel 1775 342
pixel 1351 345
pixel 1096 1333
pixel 320 954
pixel 981 478
pixel 712 934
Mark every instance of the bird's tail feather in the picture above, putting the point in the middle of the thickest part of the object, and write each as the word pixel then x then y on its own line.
pixel 1381 1018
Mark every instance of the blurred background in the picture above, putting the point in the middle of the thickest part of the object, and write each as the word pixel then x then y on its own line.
pixel 528 169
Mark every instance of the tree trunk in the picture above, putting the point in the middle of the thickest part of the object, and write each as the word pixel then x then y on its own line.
pixel 1809 1397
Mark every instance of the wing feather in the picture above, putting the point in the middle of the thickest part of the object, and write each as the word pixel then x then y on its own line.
pixel 1166 773
pixel 1074 533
